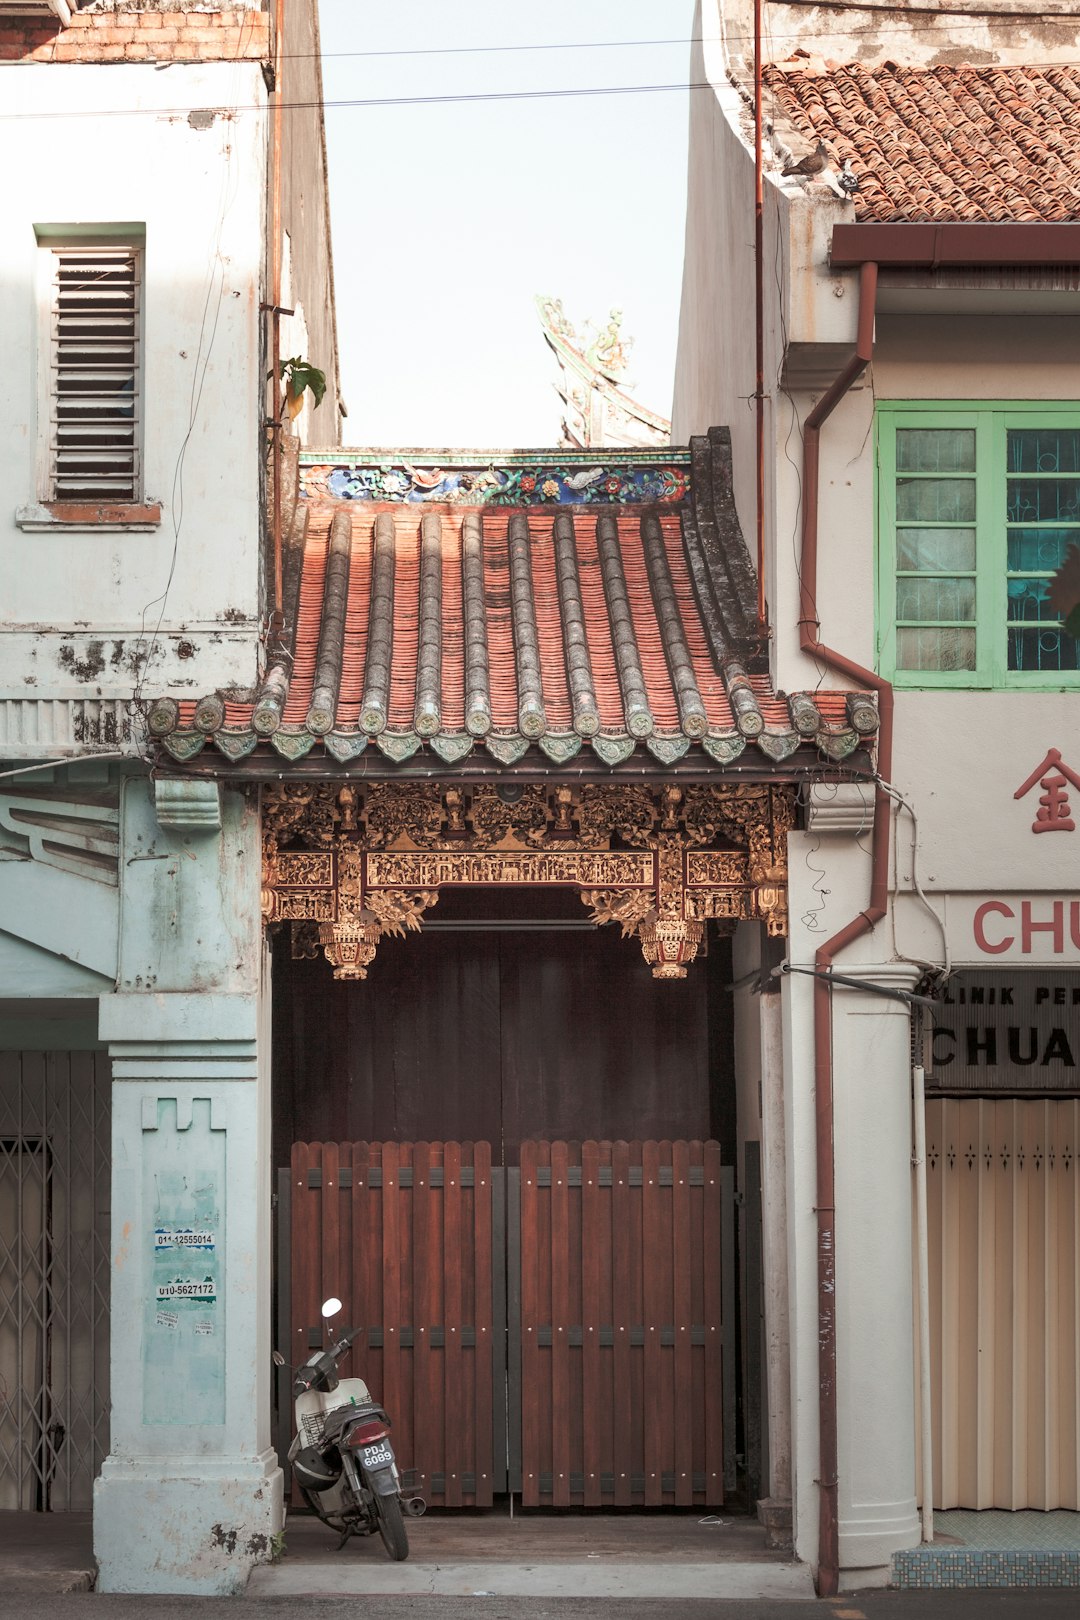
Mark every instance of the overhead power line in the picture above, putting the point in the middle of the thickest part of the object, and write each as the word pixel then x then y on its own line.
pixel 367 101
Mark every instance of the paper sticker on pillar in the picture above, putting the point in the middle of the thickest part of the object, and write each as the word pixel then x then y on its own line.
pixel 1035 928
pixel 169 1238
pixel 184 1195
pixel 188 1289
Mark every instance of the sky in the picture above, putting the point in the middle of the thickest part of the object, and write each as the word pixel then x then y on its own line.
pixel 449 217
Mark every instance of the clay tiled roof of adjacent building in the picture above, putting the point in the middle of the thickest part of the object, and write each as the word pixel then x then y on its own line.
pixel 612 615
pixel 942 143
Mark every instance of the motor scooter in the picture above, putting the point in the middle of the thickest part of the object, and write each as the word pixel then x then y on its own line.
pixel 341 1455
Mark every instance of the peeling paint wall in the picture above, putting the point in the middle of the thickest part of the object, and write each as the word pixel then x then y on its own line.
pixel 90 612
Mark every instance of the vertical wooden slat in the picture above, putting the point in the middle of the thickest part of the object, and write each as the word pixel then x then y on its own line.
pixel 532 1379
pixel 332 1257
pixel 713 1324
pixel 394 1297
pixel 428 1390
pixel 514 1228
pixel 484 1321
pixel 595 1395
pixel 454 1403
pixel 682 1352
pixel 1004 1214
pixel 727 1305
pixel 306 1270
pixel 621 1320
pixel 561 1259
pixel 652 1205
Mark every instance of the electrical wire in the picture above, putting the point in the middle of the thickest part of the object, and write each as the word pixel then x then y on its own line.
pixel 367 101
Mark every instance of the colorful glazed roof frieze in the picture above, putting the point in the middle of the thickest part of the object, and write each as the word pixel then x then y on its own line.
pixel 481 634
pixel 941 143
pixel 524 479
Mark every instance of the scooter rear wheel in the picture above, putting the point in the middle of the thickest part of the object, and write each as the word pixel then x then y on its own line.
pixel 392 1527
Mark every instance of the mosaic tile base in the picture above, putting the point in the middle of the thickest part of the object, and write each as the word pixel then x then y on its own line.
pixel 941 1567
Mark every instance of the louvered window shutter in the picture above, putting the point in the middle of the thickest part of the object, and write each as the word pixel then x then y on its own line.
pixel 95 392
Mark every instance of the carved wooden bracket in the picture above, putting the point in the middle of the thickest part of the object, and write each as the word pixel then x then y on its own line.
pixel 660 863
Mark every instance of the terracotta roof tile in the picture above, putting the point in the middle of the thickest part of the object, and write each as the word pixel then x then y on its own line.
pixel 542 629
pixel 943 143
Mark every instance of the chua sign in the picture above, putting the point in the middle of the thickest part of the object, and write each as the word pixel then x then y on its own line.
pixel 1008 1032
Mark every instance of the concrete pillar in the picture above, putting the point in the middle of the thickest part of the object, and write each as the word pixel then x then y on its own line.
pixel 190 1495
pixel 874 1311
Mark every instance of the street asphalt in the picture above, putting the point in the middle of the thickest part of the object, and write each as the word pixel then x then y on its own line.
pixel 978 1605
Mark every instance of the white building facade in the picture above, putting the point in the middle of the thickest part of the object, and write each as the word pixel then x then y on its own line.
pixel 139 295
pixel 920 432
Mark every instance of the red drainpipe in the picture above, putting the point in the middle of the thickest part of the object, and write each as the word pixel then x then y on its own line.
pixel 828 1528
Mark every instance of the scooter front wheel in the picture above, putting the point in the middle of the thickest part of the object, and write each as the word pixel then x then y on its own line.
pixel 392 1527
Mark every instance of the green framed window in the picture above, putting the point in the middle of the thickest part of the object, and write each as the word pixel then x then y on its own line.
pixel 978 505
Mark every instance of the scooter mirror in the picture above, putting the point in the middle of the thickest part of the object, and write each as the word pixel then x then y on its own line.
pixel 331 1306
pixel 277 1358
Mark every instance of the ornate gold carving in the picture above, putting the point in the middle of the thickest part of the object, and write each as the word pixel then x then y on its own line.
pixel 627 907
pixel 626 812
pixel 305 810
pixel 305 869
pixel 396 810
pixel 706 869
pixel 395 912
pixel 296 905
pixel 496 818
pixel 669 945
pixel 409 869
pixel 361 862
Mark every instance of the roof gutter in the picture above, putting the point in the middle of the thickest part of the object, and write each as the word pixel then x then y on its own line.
pixel 828 1576
pixel 930 245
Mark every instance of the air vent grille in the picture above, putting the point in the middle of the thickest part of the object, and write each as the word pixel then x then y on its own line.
pixel 94 439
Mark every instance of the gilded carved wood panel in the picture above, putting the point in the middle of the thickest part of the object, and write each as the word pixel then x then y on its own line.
pixel 344 866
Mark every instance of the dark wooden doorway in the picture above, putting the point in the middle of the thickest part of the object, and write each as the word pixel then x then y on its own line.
pixel 504 1020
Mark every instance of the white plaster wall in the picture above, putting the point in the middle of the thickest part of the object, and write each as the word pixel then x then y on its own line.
pixel 77 605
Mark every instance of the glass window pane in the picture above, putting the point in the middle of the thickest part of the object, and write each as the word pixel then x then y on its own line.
pixel 1043 500
pixel 1044 649
pixel 1039 550
pixel 935 649
pixel 1044 450
pixel 938 551
pixel 935 599
pixel 935 500
pixel 935 450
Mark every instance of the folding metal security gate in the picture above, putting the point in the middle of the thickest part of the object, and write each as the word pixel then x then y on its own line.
pixel 1003 1185
pixel 563 1329
pixel 54 1277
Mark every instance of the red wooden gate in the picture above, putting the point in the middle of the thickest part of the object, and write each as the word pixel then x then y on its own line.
pixel 565 1330
pixel 402 1234
pixel 626 1289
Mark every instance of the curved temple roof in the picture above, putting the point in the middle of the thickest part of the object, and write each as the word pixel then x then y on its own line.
pixel 603 611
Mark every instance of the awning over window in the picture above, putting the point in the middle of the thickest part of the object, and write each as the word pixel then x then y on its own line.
pixel 511 615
